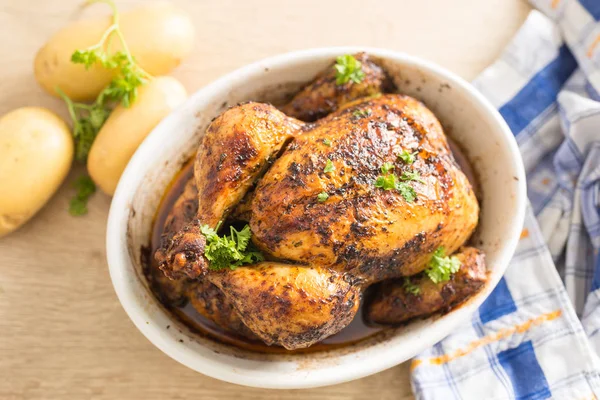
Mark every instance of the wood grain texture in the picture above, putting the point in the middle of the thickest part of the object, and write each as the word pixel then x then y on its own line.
pixel 63 333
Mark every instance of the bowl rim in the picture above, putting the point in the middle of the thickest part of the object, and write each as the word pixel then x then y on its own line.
pixel 119 257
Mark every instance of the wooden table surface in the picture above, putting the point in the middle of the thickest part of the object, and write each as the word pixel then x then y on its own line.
pixel 63 333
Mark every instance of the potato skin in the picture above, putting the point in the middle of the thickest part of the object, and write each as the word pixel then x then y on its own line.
pixel 36 152
pixel 126 128
pixel 158 35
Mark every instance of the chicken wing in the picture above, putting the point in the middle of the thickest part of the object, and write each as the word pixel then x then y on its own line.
pixel 323 96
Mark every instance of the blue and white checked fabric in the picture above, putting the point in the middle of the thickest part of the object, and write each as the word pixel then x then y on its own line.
pixel 538 335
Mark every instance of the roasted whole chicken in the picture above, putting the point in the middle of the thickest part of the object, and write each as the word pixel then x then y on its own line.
pixel 367 192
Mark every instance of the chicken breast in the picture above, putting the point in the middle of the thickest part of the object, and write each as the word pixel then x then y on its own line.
pixel 373 233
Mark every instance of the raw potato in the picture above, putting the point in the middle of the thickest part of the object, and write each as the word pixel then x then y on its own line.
pixel 36 151
pixel 126 128
pixel 159 36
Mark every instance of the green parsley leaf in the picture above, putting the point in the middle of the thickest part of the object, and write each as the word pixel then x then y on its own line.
pixel 97 117
pixel 242 238
pixel 387 167
pixel 348 68
pixel 365 112
pixel 441 267
pixel 390 181
pixel 124 87
pixel 85 187
pixel 86 57
pixel 407 156
pixel 329 167
pixel 411 176
pixel 327 142
pixel 407 191
pixel 410 287
pixel 387 182
pixel 322 197
pixel 209 233
pixel 229 251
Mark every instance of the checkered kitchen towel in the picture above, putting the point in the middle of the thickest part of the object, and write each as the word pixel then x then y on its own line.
pixel 538 335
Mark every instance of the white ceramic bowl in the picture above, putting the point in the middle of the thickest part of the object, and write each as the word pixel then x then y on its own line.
pixel 467 118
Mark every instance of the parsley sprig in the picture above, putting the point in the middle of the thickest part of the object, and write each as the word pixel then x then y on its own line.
pixel 441 267
pixel 348 68
pixel 322 197
pixel 387 167
pixel 407 156
pixel 329 167
pixel 389 181
pixel 229 251
pixel 122 89
pixel 88 119
pixel 411 176
pixel 85 187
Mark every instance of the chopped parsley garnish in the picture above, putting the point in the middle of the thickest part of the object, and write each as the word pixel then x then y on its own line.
pixel 85 188
pixel 387 167
pixel 406 191
pixel 365 112
pixel 322 197
pixel 389 181
pixel 229 251
pixel 348 68
pixel 411 176
pixel 441 267
pixel 328 166
pixel 327 142
pixel 407 156
pixel 410 287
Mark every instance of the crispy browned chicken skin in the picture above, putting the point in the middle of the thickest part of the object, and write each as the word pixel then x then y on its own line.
pixel 329 251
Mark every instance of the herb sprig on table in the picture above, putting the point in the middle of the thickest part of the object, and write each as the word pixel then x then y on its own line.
pixel 88 119
pixel 85 187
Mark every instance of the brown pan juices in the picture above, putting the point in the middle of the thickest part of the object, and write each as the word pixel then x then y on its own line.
pixel 183 310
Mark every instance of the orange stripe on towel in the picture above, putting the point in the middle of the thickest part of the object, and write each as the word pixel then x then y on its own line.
pixel 501 334
pixel 590 51
pixel 554 3
pixel 414 364
pixel 524 233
